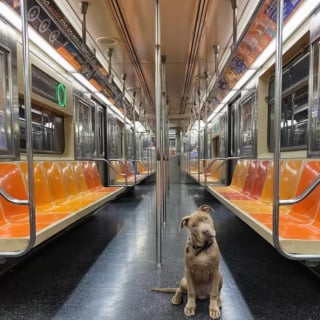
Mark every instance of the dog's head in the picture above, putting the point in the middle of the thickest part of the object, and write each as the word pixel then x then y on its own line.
pixel 200 224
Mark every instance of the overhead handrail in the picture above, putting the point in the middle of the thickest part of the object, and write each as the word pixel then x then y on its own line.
pixel 277 132
pixel 27 101
pixel 109 163
pixel 207 167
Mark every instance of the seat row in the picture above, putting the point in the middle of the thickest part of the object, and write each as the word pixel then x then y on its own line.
pixel 64 192
pixel 250 196
pixel 211 172
pixel 123 172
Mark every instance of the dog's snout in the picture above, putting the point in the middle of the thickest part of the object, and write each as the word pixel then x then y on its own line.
pixel 206 232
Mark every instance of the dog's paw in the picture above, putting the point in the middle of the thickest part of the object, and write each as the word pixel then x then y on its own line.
pixel 176 299
pixel 189 310
pixel 214 313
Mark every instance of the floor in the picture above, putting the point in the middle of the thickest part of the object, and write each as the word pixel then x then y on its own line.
pixel 104 268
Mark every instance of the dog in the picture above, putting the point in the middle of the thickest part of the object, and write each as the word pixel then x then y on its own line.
pixel 202 278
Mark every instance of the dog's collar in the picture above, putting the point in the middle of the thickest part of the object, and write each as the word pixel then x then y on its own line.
pixel 206 245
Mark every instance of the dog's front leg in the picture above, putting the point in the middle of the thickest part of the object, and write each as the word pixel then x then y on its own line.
pixel 215 302
pixel 190 308
pixel 177 298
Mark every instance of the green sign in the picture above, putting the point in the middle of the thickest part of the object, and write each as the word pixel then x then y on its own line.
pixel 61 95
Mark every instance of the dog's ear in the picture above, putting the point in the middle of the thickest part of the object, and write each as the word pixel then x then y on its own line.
pixel 184 222
pixel 206 208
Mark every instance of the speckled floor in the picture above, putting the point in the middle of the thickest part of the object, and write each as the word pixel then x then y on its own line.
pixel 104 268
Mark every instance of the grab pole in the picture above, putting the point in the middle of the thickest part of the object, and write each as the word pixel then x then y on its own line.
pixel 27 101
pixel 159 152
pixel 276 159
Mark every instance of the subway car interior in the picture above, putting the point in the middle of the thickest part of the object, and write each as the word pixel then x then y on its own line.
pixel 121 118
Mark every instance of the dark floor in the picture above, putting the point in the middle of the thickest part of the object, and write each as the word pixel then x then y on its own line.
pixel 104 268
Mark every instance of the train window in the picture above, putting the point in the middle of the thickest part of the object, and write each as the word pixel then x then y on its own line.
pixel 85 145
pixel 100 127
pixel 4 93
pixel 8 94
pixel 130 150
pixel 294 113
pixel 314 139
pixel 114 135
pixel 223 136
pixel 247 123
pixel 47 130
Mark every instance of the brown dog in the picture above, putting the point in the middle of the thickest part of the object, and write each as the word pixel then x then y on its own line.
pixel 202 278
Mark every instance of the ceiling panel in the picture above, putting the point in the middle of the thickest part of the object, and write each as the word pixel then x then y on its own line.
pixel 131 24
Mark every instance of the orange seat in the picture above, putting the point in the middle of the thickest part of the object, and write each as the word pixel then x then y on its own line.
pixel 93 179
pixel 256 171
pixel 73 185
pixel 290 171
pixel 238 177
pixel 12 183
pixel 61 197
pixel 141 168
pixel 215 172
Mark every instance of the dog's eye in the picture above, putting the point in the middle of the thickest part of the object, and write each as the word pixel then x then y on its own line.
pixel 193 225
pixel 204 219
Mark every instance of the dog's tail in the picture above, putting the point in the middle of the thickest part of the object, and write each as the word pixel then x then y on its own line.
pixel 166 290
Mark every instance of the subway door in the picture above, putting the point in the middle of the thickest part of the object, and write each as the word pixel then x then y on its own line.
pixel 174 157
pixel 100 140
pixel 233 145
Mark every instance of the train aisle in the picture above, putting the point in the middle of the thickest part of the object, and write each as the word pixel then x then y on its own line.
pixel 104 268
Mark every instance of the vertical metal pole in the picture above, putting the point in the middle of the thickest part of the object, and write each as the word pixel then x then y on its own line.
pixel 235 14
pixel 216 49
pixel 205 144
pixel 164 138
pixel 164 157
pixel 167 151
pixel 84 9
pixel 199 138
pixel 277 123
pixel 124 125
pixel 27 101
pixel 134 139
pixel 158 133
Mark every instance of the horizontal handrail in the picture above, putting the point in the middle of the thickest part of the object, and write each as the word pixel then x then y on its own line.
pixel 12 199
pixel 303 194
pixel 212 162
pixel 109 163
pixel 216 159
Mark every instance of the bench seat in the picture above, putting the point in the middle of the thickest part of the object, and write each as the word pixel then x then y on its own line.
pixel 299 224
pixel 123 171
pixel 64 192
pixel 212 173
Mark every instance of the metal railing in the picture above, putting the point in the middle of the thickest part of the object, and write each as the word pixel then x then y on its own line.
pixel 277 151
pixel 207 167
pixel 27 101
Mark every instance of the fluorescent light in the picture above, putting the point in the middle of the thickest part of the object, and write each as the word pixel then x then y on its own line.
pixel 129 122
pixel 116 111
pixel 49 50
pixel 246 77
pixel 216 111
pixel 299 16
pixel 11 16
pixel 139 127
pixel 103 98
pixel 84 82
pixel 196 124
